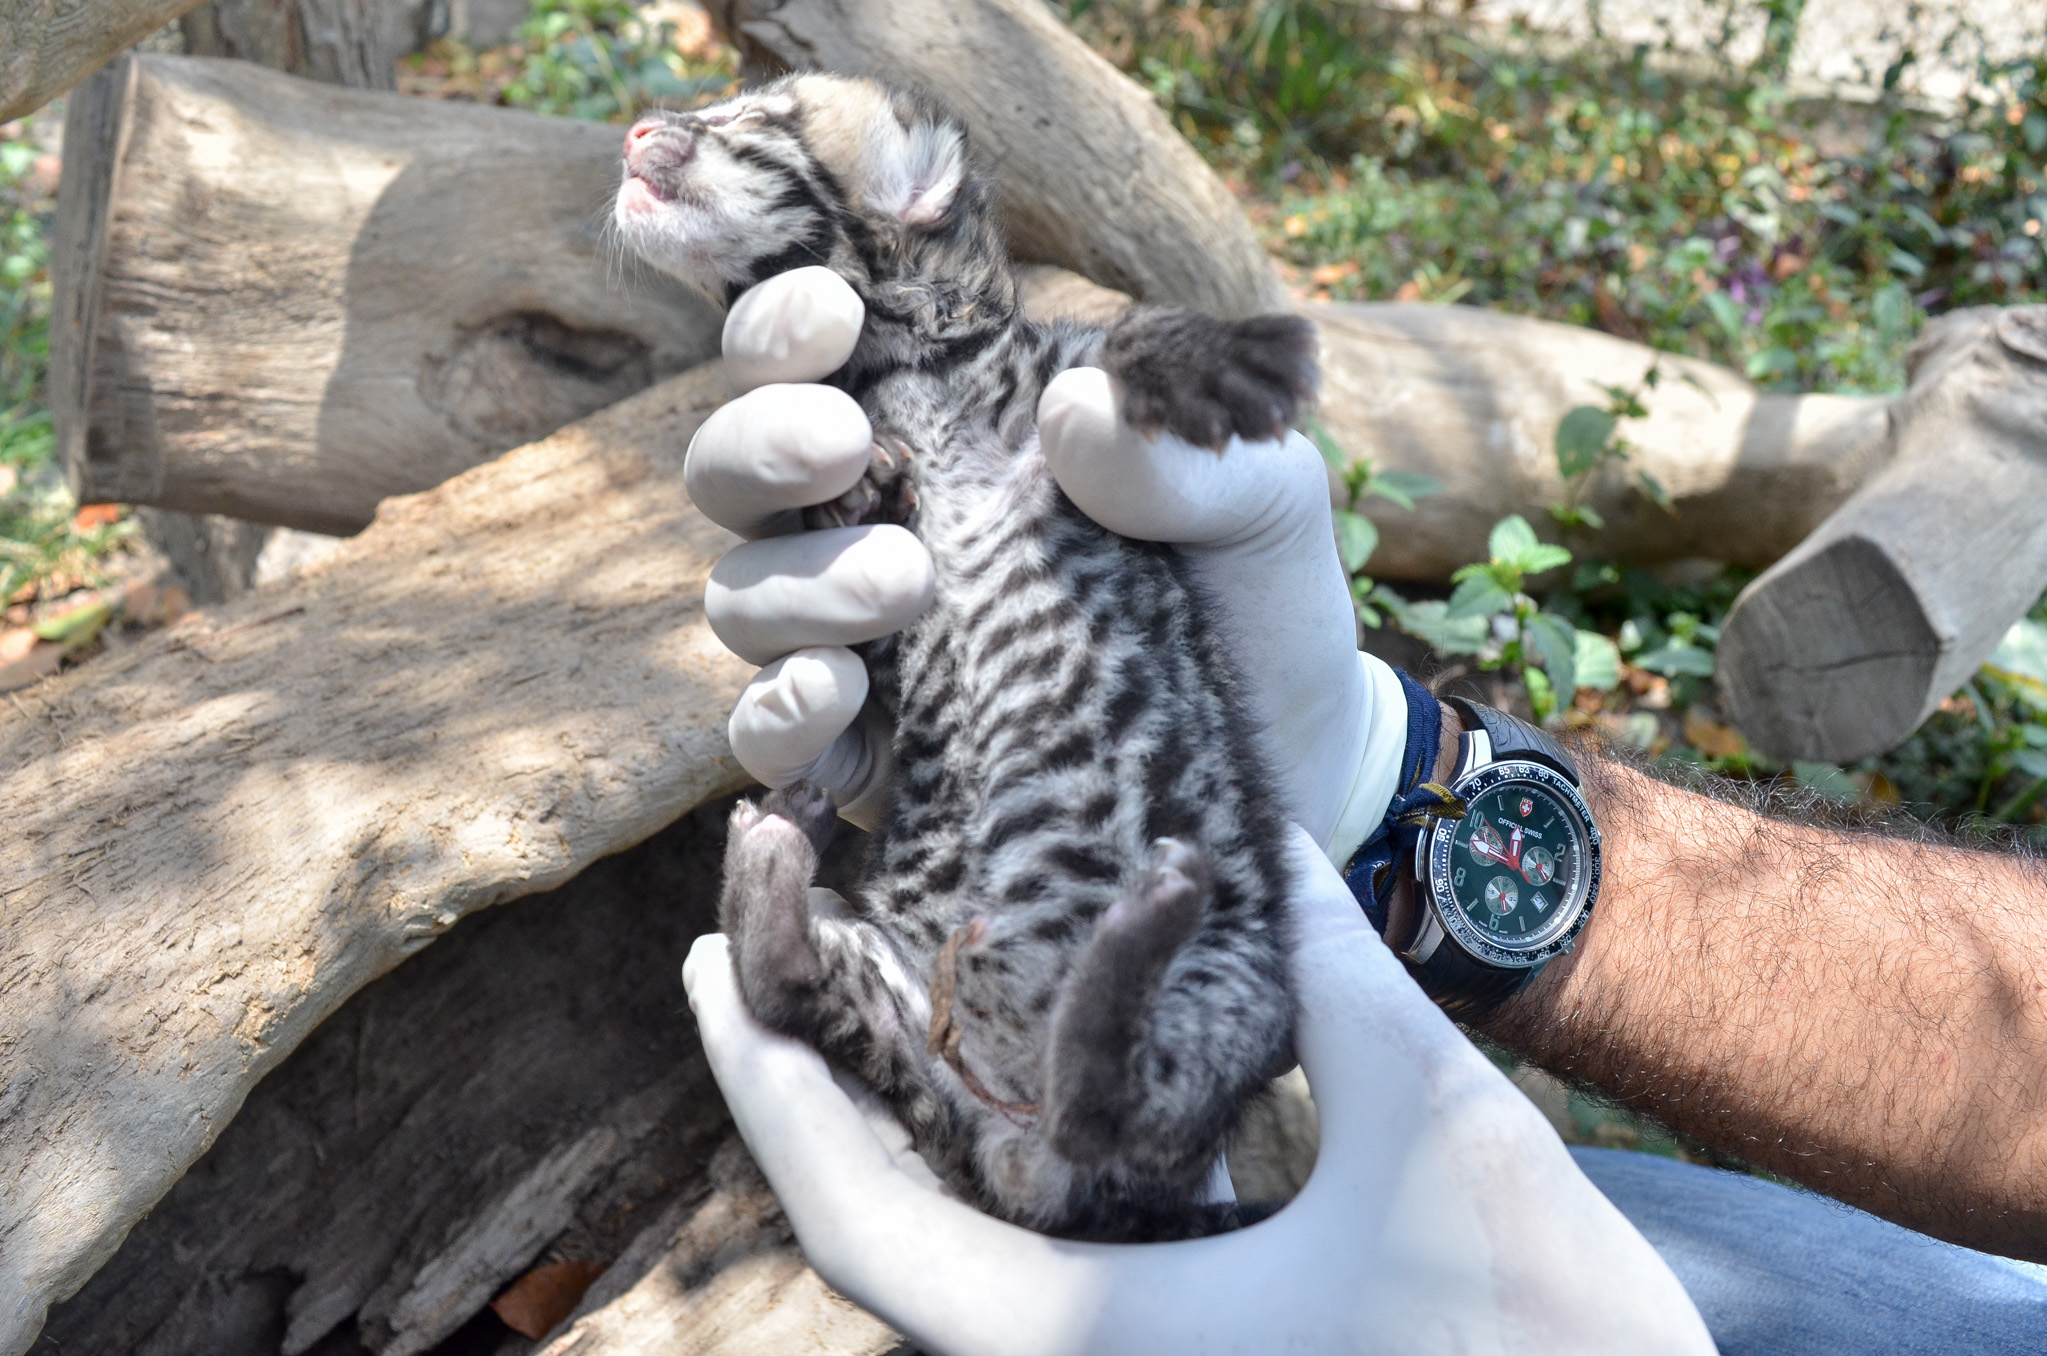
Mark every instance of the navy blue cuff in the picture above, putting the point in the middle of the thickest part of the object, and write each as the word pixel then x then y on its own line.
pixel 1371 871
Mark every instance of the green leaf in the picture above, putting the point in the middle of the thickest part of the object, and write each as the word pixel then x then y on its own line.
pixel 1771 362
pixel 1653 487
pixel 2032 762
pixel 1511 536
pixel 1480 595
pixel 1829 780
pixel 2023 651
pixel 1542 698
pixel 1557 642
pixel 1581 440
pixel 1513 544
pixel 76 627
pixel 1356 538
pixel 1672 660
pixel 1598 661
pixel 1318 435
pixel 1404 487
pixel 1727 312
pixel 2035 129
pixel 1429 622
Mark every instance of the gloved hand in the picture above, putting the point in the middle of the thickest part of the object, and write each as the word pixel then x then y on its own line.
pixel 1252 523
pixel 1442 1215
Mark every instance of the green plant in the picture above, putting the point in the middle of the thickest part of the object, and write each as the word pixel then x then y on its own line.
pixel 1589 437
pixel 598 59
pixel 1399 155
pixel 1357 537
pixel 1491 615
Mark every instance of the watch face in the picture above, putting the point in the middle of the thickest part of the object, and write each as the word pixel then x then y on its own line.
pixel 1512 878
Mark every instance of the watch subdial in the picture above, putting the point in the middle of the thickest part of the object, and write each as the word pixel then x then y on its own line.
pixel 1538 866
pixel 1501 896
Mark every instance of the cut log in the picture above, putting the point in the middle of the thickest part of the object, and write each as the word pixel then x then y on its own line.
pixel 284 301
pixel 217 836
pixel 47 46
pixel 378 1189
pixel 1473 398
pixel 1091 175
pixel 362 363
pixel 1842 648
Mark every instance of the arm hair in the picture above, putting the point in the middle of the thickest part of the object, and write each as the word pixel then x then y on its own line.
pixel 1858 1005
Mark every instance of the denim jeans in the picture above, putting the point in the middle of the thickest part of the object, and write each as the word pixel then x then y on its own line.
pixel 1779 1272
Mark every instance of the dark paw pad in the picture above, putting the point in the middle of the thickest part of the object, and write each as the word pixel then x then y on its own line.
pixel 1207 380
pixel 809 807
pixel 886 494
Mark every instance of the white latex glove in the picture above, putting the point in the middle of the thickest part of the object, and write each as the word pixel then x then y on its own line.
pixel 1253 523
pixel 1443 1215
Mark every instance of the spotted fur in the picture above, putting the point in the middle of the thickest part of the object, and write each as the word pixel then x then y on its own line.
pixel 1080 863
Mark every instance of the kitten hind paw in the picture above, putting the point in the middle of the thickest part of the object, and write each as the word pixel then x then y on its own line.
pixel 1205 379
pixel 809 807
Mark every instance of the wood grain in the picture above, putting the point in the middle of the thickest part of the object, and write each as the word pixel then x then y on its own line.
pixel 218 836
pixel 284 301
pixel 1842 648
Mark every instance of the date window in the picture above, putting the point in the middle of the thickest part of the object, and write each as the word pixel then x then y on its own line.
pixel 1527 806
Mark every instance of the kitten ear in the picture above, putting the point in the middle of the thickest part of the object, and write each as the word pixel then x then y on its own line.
pixel 917 171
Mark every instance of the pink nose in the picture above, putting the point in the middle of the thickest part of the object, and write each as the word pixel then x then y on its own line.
pixel 639 132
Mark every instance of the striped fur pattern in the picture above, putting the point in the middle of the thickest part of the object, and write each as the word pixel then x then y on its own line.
pixel 1065 967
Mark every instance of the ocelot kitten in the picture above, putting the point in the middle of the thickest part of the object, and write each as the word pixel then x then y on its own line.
pixel 1065 969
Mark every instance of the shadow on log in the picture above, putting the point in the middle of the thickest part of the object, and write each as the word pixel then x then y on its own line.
pixel 217 836
pixel 529 1091
pixel 283 301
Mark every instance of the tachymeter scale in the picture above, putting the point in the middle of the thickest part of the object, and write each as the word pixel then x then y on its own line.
pixel 1515 860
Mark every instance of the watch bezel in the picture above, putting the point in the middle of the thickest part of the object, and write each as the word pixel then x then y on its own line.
pixel 1435 849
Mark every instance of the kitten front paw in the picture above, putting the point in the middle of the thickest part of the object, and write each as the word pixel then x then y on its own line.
pixel 887 493
pixel 1205 379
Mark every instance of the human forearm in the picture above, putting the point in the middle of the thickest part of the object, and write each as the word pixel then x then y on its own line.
pixel 1865 1015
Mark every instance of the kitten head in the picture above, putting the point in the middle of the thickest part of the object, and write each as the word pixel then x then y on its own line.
pixel 812 169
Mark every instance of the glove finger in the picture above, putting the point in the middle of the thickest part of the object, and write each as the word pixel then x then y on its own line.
pixel 1165 489
pixel 796 326
pixel 839 586
pixel 759 459
pixel 788 723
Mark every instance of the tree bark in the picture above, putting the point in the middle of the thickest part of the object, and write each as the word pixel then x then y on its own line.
pixel 217 836
pixel 47 46
pixel 1841 649
pixel 377 1189
pixel 283 301
pixel 356 43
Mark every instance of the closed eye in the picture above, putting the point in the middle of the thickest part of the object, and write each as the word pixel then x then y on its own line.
pixel 731 119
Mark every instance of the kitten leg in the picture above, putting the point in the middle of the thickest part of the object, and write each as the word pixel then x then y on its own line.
pixel 1205 379
pixel 1093 1087
pixel 887 493
pixel 835 982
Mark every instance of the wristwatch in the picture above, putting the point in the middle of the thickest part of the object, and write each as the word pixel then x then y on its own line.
pixel 1505 858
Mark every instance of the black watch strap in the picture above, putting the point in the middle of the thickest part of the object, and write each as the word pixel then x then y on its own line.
pixel 1513 738
pixel 1466 989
